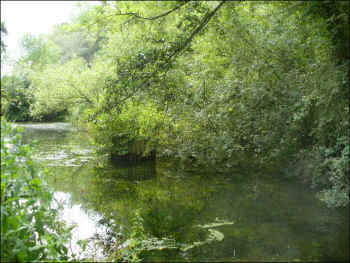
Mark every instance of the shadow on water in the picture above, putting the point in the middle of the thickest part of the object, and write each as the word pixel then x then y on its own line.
pixel 274 219
pixel 132 170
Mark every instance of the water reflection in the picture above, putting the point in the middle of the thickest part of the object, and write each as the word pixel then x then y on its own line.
pixel 274 219
pixel 85 227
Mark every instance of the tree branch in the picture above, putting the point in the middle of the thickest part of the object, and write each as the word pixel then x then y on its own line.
pixel 154 17
pixel 203 23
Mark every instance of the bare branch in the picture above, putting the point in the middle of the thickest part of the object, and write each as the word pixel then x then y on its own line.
pixel 154 17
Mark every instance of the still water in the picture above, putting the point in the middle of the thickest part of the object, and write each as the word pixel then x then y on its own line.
pixel 266 217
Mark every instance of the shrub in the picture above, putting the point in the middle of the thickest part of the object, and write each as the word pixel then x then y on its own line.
pixel 14 100
pixel 119 132
pixel 30 229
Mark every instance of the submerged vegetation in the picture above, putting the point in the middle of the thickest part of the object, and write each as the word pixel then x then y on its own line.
pixel 214 85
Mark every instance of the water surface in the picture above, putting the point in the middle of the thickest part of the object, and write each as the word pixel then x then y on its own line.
pixel 273 219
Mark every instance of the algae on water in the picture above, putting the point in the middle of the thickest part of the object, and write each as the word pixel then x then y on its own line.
pixel 218 222
pixel 214 235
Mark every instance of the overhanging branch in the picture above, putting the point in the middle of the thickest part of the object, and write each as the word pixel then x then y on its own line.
pixel 202 24
pixel 154 17
pixel 187 41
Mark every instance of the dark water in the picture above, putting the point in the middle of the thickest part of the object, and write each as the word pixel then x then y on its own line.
pixel 270 218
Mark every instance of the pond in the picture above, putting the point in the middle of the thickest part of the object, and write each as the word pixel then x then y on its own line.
pixel 258 217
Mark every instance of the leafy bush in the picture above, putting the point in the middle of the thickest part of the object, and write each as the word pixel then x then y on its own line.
pixel 326 170
pixel 14 100
pixel 331 174
pixel 30 229
pixel 133 130
pixel 336 168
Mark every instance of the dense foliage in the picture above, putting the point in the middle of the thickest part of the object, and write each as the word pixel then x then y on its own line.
pixel 219 85
pixel 30 228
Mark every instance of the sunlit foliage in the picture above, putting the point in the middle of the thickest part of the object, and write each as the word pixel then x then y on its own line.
pixel 30 228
